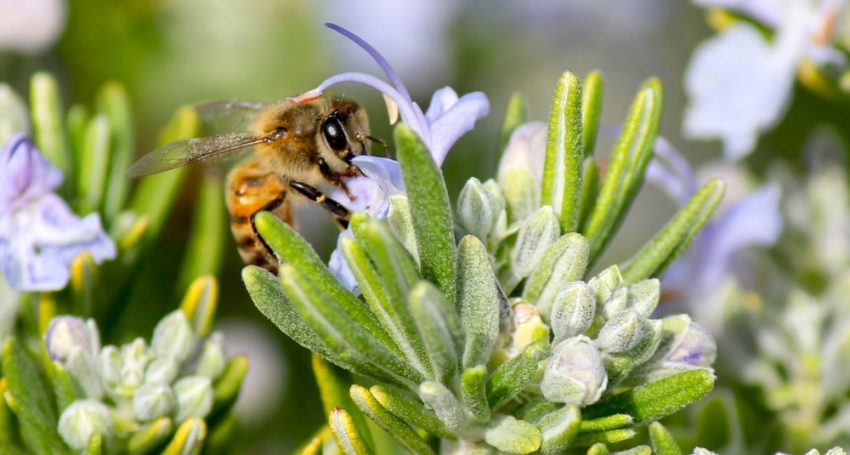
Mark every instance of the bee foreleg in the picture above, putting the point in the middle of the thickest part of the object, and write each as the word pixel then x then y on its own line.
pixel 337 210
pixel 333 177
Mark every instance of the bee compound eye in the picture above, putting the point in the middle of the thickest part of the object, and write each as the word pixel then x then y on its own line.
pixel 334 134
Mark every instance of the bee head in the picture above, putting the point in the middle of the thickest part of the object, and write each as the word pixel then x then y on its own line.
pixel 345 129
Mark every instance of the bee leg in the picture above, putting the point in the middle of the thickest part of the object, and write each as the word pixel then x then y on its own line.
pixel 339 213
pixel 333 177
pixel 271 206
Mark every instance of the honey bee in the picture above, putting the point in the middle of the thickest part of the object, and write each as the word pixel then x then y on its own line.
pixel 296 146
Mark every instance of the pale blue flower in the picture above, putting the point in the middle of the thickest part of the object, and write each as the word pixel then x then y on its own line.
pixel 447 119
pixel 739 82
pixel 39 235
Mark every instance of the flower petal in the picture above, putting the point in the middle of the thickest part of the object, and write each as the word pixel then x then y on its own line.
pixel 25 174
pixel 459 119
pixel 768 12
pixel 526 149
pixel 441 101
pixel 339 267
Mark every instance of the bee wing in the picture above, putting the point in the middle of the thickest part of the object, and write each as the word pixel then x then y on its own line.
pixel 228 115
pixel 190 151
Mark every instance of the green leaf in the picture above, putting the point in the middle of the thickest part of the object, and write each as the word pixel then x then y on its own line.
pixel 559 429
pixel 150 436
pixel 563 261
pixel 409 410
pixel 604 437
pixel 94 162
pixel 591 109
pixel 438 323
pixel 473 393
pixel 598 449
pixel 508 434
pixel 227 386
pixel 589 189
pixel 387 273
pixel 84 284
pixel 515 115
pixel 29 397
pixel 188 439
pixel 346 433
pixel 662 441
pixel 334 384
pixel 624 176
pixel 430 209
pixel 8 426
pixel 512 376
pixel 291 248
pixel 207 238
pixel 342 334
pixel 113 102
pixel 444 404
pixel 199 304
pixel 478 301
pixel 47 122
pixel 657 399
pixel 77 120
pixel 660 251
pixel 611 422
pixel 95 445
pixel 564 152
pixel 392 424
pixel 63 386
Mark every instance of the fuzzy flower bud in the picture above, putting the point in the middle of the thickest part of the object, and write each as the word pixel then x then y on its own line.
pixel 134 359
pixel 151 401
pixel 213 359
pixel 194 397
pixel 173 337
pixel 536 234
pixel 109 366
pixel 685 345
pixel 606 283
pixel 478 208
pixel 573 310
pixel 162 371
pixel 67 332
pixel 624 332
pixel 83 419
pixel 575 373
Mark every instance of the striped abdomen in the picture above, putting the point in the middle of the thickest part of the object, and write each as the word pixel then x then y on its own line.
pixel 251 189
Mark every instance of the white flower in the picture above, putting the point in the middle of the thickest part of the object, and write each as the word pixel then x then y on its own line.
pixel 30 26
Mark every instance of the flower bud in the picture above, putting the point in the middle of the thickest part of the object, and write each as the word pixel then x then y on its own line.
pixel 81 420
pixel 685 345
pixel 522 193
pixel 574 373
pixel 528 327
pixel 67 332
pixel 109 366
pixel 173 337
pixel 194 397
pixel 624 332
pixel 617 303
pixel 134 359
pixel 644 296
pixel 82 367
pixel 213 359
pixel 606 283
pixel 477 209
pixel 573 310
pixel 162 371
pixel 536 234
pixel 151 401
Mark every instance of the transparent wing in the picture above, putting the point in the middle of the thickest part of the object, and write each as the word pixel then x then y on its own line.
pixel 190 151
pixel 228 115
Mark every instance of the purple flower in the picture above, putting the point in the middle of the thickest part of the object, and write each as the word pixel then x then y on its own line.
pixel 39 235
pixel 447 119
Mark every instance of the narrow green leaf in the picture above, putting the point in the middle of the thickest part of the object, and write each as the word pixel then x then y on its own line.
pixel 352 342
pixel 188 439
pixel 8 425
pixel 591 109
pixel 611 422
pixel 155 195
pixel 438 323
pixel 657 399
pixel 94 162
pixel 598 449
pixel 83 284
pixel 409 410
pixel 207 236
pixel 559 429
pixel 510 435
pixel 564 261
pixel 334 384
pixel 401 223
pixel 63 386
pixel 478 300
pixel 564 152
pixel 589 189
pixel 47 122
pixel 394 274
pixel 604 437
pixel 95 445
pixel 392 424
pixel 227 386
pixel 77 120
pixel 430 209
pixel 662 441
pixel 624 176
pixel 291 248
pixel 347 436
pixel 660 251
pixel 150 436
pixel 515 115
pixel 444 403
pixel 114 103
pixel 473 393
pixel 199 304
pixel 512 376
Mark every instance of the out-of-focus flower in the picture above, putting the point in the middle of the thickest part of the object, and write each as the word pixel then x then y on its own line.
pixel 446 120
pixel 739 82
pixel 15 118
pixel 32 25
pixel 39 235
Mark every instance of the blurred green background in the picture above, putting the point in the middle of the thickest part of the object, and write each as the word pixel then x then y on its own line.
pixel 173 52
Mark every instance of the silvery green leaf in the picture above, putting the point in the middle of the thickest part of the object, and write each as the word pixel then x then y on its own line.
pixel 644 296
pixel 478 301
pixel 606 283
pixel 511 377
pixel 574 373
pixel 535 236
pixel 563 261
pixel 508 434
pixel 94 163
pixel 410 410
pixel 573 311
pixel 48 124
pixel 662 441
pixel 162 370
pixel 213 358
pixel 443 402
pixel 113 101
pixel 347 435
pixel 152 401
pixel 400 430
pixel 63 388
pixel 611 422
pixel 194 397
pixel 559 428
pixel 173 337
pixel 522 192
pixel 398 217
pixel 473 393
pixel 564 152
pixel 478 211
pixel 439 326
pixel 81 420
pixel 591 108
